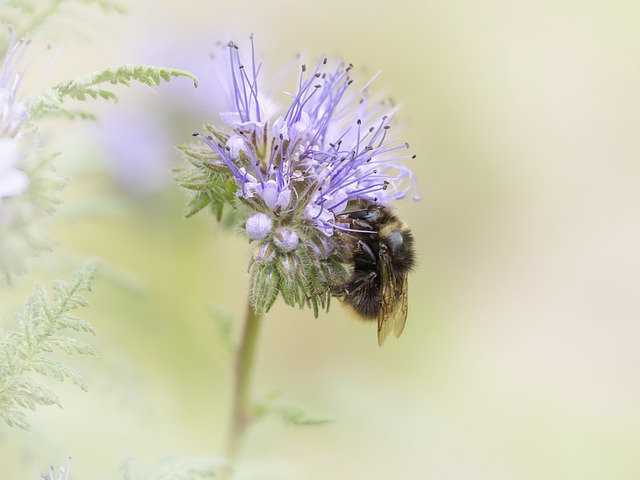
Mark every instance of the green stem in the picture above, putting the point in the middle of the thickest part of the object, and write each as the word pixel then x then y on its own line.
pixel 242 414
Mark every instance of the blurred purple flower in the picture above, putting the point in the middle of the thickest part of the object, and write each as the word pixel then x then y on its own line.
pixel 138 150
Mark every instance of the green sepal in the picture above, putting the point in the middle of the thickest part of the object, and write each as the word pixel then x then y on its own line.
pixel 266 282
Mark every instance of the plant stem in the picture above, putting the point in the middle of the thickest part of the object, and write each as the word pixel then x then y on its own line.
pixel 242 414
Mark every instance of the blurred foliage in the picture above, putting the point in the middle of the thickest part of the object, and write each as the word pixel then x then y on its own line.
pixel 29 16
pixel 174 469
pixel 289 413
pixel 43 329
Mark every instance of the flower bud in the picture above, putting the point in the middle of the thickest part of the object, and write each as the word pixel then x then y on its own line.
pixel 265 253
pixel 258 226
pixel 286 239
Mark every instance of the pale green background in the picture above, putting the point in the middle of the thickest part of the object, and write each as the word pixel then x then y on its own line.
pixel 520 358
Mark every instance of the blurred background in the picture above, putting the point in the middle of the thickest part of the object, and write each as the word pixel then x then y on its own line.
pixel 520 358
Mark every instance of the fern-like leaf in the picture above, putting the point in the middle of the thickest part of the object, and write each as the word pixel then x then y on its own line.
pixel 92 86
pixel 44 326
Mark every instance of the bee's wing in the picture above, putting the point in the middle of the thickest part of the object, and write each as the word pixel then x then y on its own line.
pixel 394 308
pixel 402 308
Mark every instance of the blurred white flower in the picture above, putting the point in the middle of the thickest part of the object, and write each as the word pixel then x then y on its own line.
pixel 12 180
pixel 13 113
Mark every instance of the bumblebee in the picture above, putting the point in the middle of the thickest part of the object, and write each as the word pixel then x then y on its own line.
pixel 382 254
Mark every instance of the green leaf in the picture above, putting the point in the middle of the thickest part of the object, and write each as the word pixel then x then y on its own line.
pixel 289 413
pixel 80 88
pixel 44 328
pixel 211 188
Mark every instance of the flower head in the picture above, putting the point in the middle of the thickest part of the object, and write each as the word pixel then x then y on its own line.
pixel 304 163
pixel 328 147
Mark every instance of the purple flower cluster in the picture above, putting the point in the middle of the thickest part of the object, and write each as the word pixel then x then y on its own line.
pixel 330 145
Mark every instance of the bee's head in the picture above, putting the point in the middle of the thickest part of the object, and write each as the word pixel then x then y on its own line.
pixel 395 241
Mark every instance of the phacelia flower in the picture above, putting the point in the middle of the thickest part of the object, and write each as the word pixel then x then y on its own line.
pixel 301 160
pixel 28 184
pixel 13 114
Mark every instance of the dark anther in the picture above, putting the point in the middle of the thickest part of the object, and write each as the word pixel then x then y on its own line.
pixel 317 85
pixel 406 144
pixel 304 67
pixel 387 127
pixel 324 61
pixel 371 130
pixel 350 67
pixel 413 156
pixel 195 134
pixel 349 82
pixel 368 148
pixel 359 122
pixel 317 75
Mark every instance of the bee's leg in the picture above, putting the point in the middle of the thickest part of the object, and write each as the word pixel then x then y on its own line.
pixel 368 255
pixel 370 215
pixel 365 257
pixel 362 224
pixel 355 285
